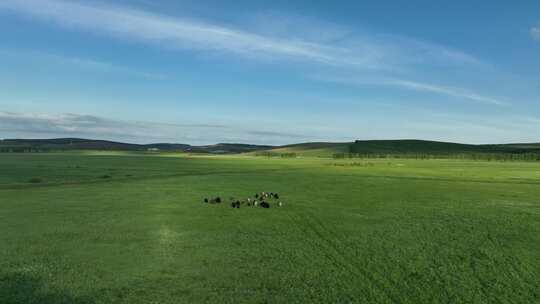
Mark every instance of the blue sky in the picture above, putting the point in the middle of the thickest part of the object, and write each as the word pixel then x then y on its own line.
pixel 270 72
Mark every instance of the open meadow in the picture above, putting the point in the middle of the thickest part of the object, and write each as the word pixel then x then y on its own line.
pixel 104 227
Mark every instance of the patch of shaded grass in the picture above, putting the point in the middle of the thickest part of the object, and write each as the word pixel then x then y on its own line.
pixel 21 288
pixel 35 180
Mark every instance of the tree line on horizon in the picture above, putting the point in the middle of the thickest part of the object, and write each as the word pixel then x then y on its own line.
pixel 496 156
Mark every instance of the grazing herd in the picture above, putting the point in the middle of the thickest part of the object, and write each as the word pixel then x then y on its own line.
pixel 262 200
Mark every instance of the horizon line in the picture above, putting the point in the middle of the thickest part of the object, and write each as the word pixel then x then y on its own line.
pixel 251 144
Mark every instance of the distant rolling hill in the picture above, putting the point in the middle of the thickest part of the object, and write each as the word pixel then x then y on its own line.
pixel 62 144
pixel 66 144
pixel 327 149
pixel 314 149
pixel 418 146
pixel 227 148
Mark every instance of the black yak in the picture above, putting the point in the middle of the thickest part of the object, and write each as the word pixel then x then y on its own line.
pixel 265 205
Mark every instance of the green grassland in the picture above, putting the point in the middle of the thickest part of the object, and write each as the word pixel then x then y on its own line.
pixel 116 227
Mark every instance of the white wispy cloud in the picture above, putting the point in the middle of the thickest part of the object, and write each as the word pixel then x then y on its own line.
pixel 459 93
pixel 421 124
pixel 127 23
pixel 450 91
pixel 535 32
pixel 176 33
pixel 44 125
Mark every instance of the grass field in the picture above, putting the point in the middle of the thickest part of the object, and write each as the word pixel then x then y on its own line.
pixel 86 227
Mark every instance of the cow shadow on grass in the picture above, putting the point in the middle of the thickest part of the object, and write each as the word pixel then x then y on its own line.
pixel 17 288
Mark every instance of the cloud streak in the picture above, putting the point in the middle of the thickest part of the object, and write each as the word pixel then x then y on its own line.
pixel 449 91
pixel 126 23
pixel 96 127
pixel 424 124
pixel 176 33
pixel 458 93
